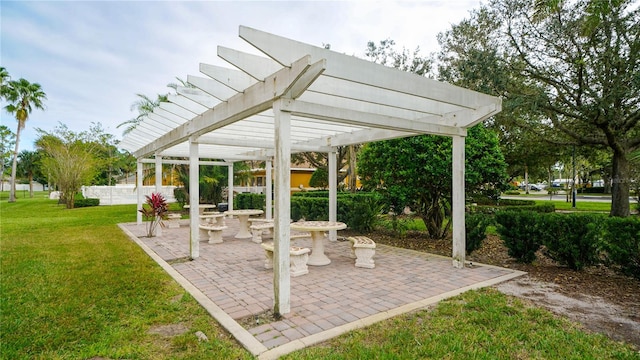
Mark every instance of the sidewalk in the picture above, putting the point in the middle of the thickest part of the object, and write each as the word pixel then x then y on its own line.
pixel 230 281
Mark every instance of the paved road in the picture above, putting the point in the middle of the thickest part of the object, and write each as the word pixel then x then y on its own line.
pixel 542 195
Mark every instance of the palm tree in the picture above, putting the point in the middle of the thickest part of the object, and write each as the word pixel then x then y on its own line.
pixel 144 105
pixel 22 97
pixel 30 166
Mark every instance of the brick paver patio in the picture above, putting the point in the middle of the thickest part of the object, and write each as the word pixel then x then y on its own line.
pixel 328 301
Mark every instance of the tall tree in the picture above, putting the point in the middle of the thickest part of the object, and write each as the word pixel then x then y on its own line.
pixel 22 97
pixel 7 141
pixel 573 87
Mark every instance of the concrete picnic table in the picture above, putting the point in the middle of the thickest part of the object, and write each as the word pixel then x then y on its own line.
pixel 201 207
pixel 317 229
pixel 243 217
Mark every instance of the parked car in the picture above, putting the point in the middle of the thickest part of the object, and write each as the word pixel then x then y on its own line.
pixel 532 187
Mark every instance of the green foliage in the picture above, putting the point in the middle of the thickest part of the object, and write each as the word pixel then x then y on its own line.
pixel 250 201
pixel 571 239
pixel 621 244
pixel 475 230
pixel 416 172
pixel 319 178
pixel 78 203
pixel 181 196
pixel 359 211
pixel 69 159
pixel 512 192
pixel 541 208
pixel 521 233
pixel 363 211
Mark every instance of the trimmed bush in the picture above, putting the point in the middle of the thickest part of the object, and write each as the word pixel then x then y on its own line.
pixel 521 233
pixel 542 208
pixel 181 196
pixel 475 229
pixel 360 210
pixel 621 244
pixel 572 239
pixel 78 203
pixel 250 201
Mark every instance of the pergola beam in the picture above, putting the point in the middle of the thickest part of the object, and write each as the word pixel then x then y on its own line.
pixel 254 100
pixel 353 117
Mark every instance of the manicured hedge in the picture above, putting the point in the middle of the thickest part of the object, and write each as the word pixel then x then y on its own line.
pixel 622 244
pixel 542 208
pixel 575 240
pixel 78 203
pixel 250 201
pixel 475 230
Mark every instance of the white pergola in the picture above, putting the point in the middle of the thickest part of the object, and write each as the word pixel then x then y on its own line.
pixel 301 98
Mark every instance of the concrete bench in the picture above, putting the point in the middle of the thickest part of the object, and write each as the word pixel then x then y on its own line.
pixel 363 249
pixel 212 232
pixel 258 229
pixel 173 220
pixel 298 257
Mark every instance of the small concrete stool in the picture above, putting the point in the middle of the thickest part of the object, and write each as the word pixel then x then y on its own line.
pixel 257 230
pixel 298 257
pixel 363 249
pixel 214 233
pixel 173 221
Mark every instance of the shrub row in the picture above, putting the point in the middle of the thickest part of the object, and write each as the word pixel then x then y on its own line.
pixel 483 200
pixel 78 203
pixel 360 210
pixel 574 240
pixel 250 201
pixel 542 208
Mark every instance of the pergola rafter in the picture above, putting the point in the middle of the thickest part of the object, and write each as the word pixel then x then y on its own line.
pixel 303 98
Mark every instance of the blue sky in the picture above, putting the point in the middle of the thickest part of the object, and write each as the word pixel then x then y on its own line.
pixel 92 57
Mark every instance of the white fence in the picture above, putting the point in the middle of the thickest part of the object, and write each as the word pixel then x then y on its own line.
pixel 124 194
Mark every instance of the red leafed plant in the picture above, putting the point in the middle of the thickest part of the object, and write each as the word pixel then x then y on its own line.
pixel 154 210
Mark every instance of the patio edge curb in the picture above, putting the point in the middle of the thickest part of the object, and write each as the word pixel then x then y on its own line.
pixel 244 337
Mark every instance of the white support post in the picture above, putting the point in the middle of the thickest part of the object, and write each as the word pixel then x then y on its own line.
pixel 282 231
pixel 458 202
pixel 194 199
pixel 159 175
pixel 139 191
pixel 230 186
pixel 333 193
pixel 158 186
pixel 269 192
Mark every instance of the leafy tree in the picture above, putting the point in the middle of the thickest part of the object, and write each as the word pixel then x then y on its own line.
pixel 319 178
pixel 29 166
pixel 22 97
pixel 569 87
pixel 144 106
pixel 7 140
pixel 386 54
pixel 69 159
pixel 416 172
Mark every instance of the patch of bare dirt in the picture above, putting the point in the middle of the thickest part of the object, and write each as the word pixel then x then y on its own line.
pixel 601 300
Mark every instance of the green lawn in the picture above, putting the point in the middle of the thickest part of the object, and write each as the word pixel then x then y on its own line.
pixel 74 287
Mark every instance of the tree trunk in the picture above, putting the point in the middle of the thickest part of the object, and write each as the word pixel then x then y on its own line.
pixel 31 185
pixel 14 167
pixel 620 186
pixel 352 168
pixel 526 179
